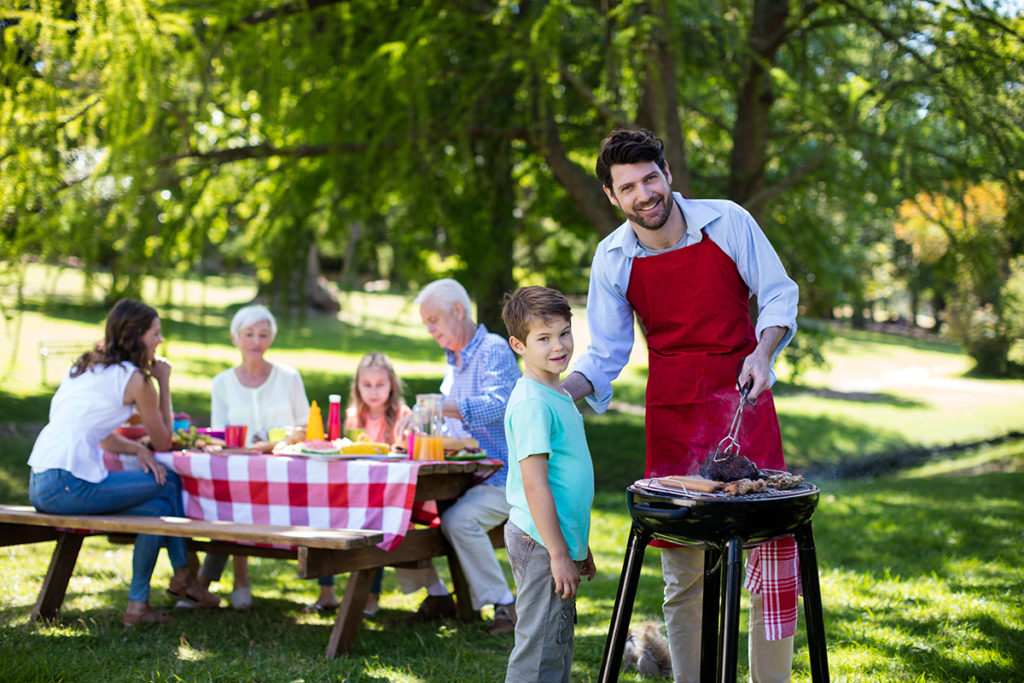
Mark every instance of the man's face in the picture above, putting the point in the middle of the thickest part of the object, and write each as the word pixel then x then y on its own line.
pixel 643 193
pixel 443 324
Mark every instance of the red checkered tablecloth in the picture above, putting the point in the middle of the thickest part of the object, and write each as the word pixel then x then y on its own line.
pixel 293 491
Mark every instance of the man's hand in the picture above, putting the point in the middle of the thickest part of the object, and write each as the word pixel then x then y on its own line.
pixel 577 385
pixel 755 371
pixel 756 368
pixel 566 575
pixel 149 463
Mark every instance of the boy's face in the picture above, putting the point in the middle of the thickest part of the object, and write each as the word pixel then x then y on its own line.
pixel 547 348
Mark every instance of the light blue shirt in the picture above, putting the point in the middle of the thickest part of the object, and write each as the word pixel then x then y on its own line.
pixel 542 420
pixel 610 316
pixel 481 385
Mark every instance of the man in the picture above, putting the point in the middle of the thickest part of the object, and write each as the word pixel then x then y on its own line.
pixel 480 373
pixel 687 269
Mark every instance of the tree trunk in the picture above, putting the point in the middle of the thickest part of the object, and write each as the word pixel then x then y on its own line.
pixel 754 101
pixel 659 105
pixel 583 187
pixel 490 274
pixel 348 268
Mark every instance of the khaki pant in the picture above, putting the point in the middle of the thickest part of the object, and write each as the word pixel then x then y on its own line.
pixel 771 661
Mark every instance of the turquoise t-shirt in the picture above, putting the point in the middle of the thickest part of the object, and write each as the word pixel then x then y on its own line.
pixel 542 420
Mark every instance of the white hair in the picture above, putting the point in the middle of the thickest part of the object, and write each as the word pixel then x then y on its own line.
pixel 446 292
pixel 248 316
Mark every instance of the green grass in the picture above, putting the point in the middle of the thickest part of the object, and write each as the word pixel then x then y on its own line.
pixel 920 570
pixel 920 575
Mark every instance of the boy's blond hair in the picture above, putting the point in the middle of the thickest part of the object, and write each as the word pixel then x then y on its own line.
pixel 528 304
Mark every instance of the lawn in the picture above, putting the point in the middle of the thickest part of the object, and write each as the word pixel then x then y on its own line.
pixel 920 569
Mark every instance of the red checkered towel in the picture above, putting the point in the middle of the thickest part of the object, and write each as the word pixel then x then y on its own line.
pixel 773 572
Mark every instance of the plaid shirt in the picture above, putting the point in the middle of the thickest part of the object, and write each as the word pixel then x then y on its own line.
pixel 481 385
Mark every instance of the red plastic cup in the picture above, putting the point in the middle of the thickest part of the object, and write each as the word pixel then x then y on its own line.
pixel 234 436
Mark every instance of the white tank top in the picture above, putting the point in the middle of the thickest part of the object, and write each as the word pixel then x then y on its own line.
pixel 83 412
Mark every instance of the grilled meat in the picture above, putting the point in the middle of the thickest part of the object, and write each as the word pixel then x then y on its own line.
pixel 785 480
pixel 742 487
pixel 730 468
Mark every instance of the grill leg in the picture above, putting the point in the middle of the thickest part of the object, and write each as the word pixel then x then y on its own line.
pixel 812 603
pixel 623 609
pixel 709 615
pixel 731 615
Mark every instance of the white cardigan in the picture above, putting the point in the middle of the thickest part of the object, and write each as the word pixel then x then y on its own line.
pixel 279 402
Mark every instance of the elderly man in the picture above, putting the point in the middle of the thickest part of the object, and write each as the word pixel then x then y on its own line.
pixel 479 375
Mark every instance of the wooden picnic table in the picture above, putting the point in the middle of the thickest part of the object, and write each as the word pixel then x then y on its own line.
pixel 278 503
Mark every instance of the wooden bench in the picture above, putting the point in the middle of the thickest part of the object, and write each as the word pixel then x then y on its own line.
pixel 59 351
pixel 320 552
pixel 22 524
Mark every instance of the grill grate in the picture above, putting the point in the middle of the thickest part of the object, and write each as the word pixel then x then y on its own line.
pixel 651 487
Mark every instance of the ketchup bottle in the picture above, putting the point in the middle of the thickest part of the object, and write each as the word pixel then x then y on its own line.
pixel 334 417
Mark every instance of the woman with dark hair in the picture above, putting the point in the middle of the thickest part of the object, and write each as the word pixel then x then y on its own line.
pixel 68 476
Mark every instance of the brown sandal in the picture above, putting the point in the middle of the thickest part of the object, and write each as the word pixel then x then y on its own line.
pixel 176 589
pixel 147 617
pixel 317 608
pixel 192 593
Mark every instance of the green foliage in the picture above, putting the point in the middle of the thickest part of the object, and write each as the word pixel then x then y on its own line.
pixel 405 142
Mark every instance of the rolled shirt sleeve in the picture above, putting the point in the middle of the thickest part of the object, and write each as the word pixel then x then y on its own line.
pixel 494 382
pixel 481 386
pixel 610 321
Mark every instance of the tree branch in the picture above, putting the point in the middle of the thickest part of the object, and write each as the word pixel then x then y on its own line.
pixel 616 118
pixel 289 8
pixel 265 150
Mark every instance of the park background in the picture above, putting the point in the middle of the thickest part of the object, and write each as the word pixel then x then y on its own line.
pixel 329 158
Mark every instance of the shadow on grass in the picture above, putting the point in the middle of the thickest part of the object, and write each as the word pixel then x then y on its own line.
pixel 785 389
pixel 322 332
pixel 960 533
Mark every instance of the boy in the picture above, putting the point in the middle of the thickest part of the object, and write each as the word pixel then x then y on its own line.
pixel 550 488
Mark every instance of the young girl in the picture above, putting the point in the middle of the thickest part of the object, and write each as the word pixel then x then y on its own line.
pixel 375 405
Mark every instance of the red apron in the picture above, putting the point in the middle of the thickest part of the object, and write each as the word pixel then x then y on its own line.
pixel 693 305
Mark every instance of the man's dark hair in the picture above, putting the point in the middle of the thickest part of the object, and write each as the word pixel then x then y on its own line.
pixel 527 305
pixel 626 146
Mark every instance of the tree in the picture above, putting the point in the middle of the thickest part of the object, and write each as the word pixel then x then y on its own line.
pixel 974 248
pixel 458 138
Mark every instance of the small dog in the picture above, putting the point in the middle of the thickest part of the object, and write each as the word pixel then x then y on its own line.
pixel 647 649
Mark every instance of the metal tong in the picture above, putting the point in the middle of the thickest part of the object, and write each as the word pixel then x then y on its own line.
pixel 730 445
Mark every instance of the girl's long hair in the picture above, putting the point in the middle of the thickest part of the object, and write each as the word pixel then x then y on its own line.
pixel 374 361
pixel 127 322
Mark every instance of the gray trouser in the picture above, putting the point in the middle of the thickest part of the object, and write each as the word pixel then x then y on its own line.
pixel 544 629
pixel 465 525
pixel 771 661
pixel 213 566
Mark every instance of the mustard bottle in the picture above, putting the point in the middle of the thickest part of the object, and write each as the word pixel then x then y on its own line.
pixel 315 429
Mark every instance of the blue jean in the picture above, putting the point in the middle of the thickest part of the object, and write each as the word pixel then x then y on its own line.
pixel 132 492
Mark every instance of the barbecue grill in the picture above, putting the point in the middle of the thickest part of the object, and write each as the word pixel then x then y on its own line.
pixel 721 524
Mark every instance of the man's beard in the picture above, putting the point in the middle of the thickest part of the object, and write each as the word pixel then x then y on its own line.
pixel 652 222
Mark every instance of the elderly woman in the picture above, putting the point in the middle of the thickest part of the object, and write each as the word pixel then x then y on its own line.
pixel 479 375
pixel 96 396
pixel 261 395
